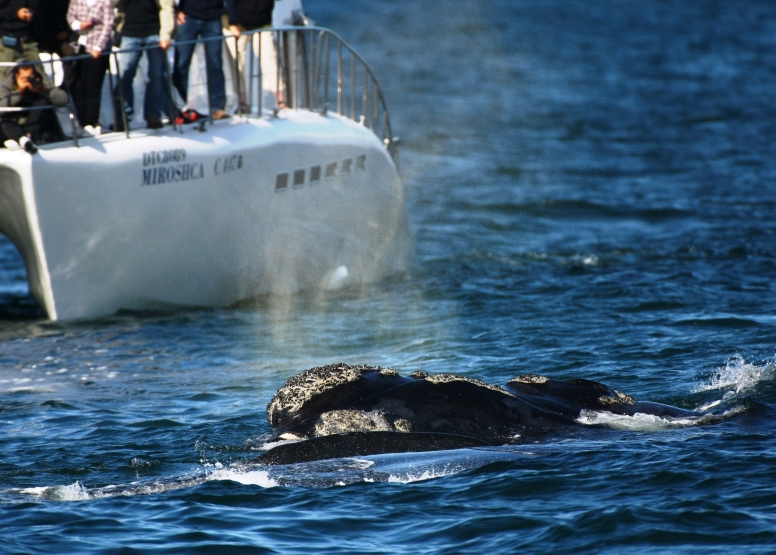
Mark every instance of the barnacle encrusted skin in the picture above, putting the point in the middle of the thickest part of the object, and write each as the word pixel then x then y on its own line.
pixel 419 375
pixel 447 378
pixel 343 421
pixel 307 385
pixel 618 398
pixel 627 399
pixel 530 378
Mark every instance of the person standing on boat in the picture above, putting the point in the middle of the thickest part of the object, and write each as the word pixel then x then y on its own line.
pixel 16 41
pixel 202 19
pixel 145 24
pixel 23 86
pixel 93 21
pixel 254 15
pixel 51 31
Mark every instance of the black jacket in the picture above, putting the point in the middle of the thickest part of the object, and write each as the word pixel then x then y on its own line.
pixel 10 24
pixel 255 13
pixel 49 20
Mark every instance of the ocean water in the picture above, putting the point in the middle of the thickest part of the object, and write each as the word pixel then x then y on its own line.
pixel 592 189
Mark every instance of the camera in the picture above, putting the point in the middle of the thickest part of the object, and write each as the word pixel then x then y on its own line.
pixel 35 80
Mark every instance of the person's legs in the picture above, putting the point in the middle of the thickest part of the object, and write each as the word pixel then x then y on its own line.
pixel 37 119
pixel 155 94
pixel 79 90
pixel 11 129
pixel 183 52
pixel 95 76
pixel 215 70
pixel 242 49
pixel 22 51
pixel 8 55
pixel 127 68
pixel 267 55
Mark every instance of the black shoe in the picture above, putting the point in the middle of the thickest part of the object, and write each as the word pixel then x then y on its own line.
pixel 28 146
pixel 154 123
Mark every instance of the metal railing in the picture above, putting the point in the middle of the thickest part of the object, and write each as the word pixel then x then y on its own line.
pixel 314 69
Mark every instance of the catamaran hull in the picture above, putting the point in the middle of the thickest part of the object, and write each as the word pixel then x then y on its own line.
pixel 205 219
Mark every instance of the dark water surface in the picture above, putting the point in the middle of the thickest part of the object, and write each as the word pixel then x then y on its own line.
pixel 592 188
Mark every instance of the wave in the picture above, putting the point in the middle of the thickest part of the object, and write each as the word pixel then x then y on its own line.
pixel 737 378
pixel 393 467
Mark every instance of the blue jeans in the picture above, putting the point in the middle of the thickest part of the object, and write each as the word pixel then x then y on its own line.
pixel 204 28
pixel 156 90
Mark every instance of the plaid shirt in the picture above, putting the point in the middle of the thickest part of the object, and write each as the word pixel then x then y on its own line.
pixel 100 13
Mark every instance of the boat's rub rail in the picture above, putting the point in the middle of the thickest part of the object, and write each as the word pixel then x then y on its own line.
pixel 315 70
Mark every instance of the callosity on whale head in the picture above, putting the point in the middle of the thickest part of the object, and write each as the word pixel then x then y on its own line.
pixel 341 410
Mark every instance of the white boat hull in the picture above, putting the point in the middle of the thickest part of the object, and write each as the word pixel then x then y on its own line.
pixel 201 219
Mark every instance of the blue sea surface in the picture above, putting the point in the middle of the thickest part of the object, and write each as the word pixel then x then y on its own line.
pixel 592 190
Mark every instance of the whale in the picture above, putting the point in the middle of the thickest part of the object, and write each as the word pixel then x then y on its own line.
pixel 339 410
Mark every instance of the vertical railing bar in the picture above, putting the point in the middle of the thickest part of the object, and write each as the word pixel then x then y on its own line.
pixel 120 90
pixel 316 69
pixel 326 73
pixel 365 97
pixel 296 69
pixel 72 112
pixel 339 77
pixel 375 111
pixel 238 76
pixel 298 74
pixel 259 84
pixel 307 48
pixel 319 85
pixel 251 58
pixel 310 69
pixel 352 86
pixel 168 75
pixel 277 66
pixel 207 79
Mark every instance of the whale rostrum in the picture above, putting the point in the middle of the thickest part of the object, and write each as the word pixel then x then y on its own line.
pixel 341 410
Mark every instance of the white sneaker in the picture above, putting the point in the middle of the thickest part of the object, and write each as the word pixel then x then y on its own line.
pixel 10 144
pixel 28 146
pixel 93 130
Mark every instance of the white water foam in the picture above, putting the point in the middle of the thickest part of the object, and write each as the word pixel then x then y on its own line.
pixel 641 422
pixel 245 477
pixel 425 475
pixel 738 377
pixel 73 492
pixel 638 422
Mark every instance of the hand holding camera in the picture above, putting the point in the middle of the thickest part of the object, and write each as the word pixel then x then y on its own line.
pixel 28 80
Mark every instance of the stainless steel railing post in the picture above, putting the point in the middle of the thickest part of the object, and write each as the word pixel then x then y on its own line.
pixel 326 72
pixel 238 76
pixel 352 86
pixel 168 82
pixel 375 108
pixel 295 59
pixel 251 58
pixel 339 77
pixel 120 90
pixel 260 84
pixel 365 98
pixel 316 59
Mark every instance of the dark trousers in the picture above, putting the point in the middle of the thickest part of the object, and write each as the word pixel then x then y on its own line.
pixel 87 89
pixel 35 123
pixel 193 29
